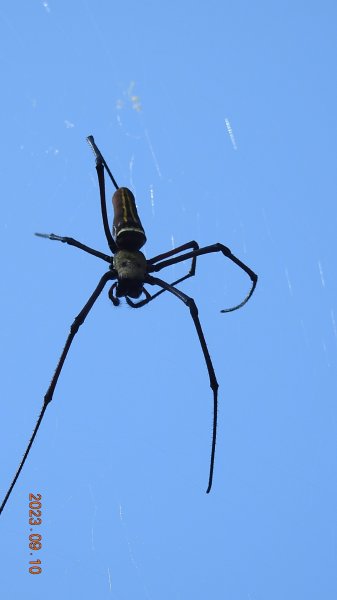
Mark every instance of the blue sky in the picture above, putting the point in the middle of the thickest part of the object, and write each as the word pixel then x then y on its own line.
pixel 221 117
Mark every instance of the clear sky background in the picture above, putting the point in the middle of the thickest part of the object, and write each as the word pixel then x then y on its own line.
pixel 221 117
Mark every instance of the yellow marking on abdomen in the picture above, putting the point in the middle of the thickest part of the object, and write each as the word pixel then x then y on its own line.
pixel 127 204
pixel 124 199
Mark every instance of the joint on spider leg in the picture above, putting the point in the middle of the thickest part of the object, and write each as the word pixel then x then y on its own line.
pixel 214 385
pixel 193 244
pixel 48 397
pixel 192 306
pixel 253 276
pixel 50 236
pixel 50 391
pixel 194 313
pixel 78 321
pixel 194 259
pixel 59 238
pixel 193 267
pixel 224 249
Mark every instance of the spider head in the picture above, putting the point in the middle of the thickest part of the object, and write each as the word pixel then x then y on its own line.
pixel 131 269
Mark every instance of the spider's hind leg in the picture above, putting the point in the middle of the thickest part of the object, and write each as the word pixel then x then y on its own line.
pixel 189 302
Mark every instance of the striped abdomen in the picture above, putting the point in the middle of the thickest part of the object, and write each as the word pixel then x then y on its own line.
pixel 127 230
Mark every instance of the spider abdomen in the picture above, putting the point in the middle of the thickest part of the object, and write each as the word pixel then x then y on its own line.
pixel 127 230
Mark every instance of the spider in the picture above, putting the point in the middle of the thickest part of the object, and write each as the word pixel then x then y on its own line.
pixel 130 270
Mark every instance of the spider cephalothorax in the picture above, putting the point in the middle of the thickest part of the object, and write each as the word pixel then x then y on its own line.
pixel 131 268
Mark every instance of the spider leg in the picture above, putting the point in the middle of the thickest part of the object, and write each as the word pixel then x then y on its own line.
pixel 191 272
pixel 99 156
pixel 100 164
pixel 72 242
pixel 78 321
pixel 113 298
pixel 207 250
pixel 211 373
pixel 101 183
pixel 147 299
pixel 174 251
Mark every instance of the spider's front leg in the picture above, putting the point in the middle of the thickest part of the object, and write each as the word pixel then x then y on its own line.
pixel 100 164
